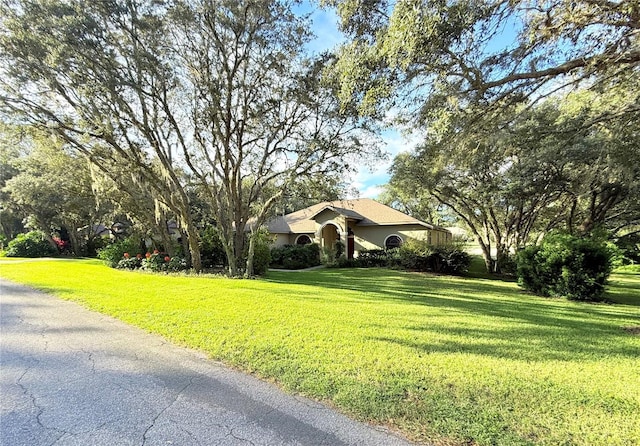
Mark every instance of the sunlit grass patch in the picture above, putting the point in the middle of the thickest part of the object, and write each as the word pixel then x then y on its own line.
pixel 448 360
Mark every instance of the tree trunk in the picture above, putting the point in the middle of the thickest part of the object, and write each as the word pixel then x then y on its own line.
pixel 226 237
pixel 252 248
pixel 75 243
pixel 486 255
pixel 239 240
pixel 502 254
pixel 194 247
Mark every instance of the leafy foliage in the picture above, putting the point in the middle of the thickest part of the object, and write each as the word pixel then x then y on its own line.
pixel 211 248
pixel 368 258
pixel 261 254
pixel 565 265
pixel 418 255
pixel 161 262
pixel 31 244
pixel 130 263
pixel 295 256
pixel 113 253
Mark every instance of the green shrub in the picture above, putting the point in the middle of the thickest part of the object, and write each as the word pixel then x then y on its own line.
pixel 373 257
pixel 129 263
pixel 211 248
pixel 628 249
pixel 295 256
pixel 451 259
pixel 159 262
pixel 31 244
pixel 114 252
pixel 261 253
pixel 418 255
pixel 565 265
pixel 175 264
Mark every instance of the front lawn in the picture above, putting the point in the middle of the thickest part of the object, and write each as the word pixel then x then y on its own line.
pixel 446 360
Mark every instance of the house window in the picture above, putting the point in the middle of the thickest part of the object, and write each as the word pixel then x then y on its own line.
pixel 393 241
pixel 303 240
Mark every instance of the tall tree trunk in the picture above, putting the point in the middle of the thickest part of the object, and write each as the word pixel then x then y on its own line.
pixel 73 239
pixel 194 246
pixel 252 249
pixel 239 244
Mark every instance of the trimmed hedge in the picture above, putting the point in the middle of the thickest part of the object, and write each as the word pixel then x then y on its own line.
pixel 295 256
pixel 414 255
pixel 564 265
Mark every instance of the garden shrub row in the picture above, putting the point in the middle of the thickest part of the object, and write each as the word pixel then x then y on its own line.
pixel 413 255
pixel 295 256
pixel 156 262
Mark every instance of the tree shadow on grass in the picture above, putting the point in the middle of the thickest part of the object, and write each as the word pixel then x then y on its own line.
pixel 528 327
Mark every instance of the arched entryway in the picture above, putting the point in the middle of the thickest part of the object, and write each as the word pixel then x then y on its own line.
pixel 329 234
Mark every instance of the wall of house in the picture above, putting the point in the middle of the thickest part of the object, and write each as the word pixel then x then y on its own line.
pixel 289 239
pixel 373 237
pixel 280 240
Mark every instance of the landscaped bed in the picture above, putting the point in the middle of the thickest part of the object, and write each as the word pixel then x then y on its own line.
pixel 446 360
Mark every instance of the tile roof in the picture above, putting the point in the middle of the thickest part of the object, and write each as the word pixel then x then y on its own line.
pixel 368 212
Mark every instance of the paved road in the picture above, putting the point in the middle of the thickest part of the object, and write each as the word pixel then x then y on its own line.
pixel 70 376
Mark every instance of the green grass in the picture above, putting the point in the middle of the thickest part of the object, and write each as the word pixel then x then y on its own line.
pixel 445 360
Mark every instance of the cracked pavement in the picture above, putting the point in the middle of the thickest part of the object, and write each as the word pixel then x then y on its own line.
pixel 70 376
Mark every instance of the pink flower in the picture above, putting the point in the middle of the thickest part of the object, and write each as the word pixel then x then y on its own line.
pixel 126 255
pixel 138 256
pixel 167 258
pixel 155 251
pixel 147 255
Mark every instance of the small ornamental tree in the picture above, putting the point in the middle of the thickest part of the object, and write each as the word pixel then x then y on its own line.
pixel 565 265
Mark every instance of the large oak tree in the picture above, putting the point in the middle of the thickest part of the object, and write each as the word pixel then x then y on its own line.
pixel 216 93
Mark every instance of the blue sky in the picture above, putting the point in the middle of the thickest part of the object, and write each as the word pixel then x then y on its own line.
pixel 368 179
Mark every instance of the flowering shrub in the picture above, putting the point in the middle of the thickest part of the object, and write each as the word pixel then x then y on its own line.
pixel 129 263
pixel 114 252
pixel 64 247
pixel 155 262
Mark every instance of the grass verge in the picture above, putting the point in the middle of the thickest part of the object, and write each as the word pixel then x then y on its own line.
pixel 446 360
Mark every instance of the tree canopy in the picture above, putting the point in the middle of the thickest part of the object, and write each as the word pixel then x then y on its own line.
pixel 185 94
pixel 529 109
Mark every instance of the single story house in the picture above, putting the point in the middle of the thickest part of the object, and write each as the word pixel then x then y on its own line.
pixel 359 224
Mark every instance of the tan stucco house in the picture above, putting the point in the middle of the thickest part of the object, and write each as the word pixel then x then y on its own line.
pixel 359 224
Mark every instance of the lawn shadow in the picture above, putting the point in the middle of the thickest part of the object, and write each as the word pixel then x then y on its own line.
pixel 531 327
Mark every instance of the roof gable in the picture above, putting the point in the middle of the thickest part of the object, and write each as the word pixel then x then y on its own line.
pixel 365 211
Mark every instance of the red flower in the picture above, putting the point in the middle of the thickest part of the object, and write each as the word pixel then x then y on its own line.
pixel 147 255
pixel 126 255
pixel 167 258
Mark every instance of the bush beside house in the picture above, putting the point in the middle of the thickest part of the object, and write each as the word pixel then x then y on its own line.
pixel 295 256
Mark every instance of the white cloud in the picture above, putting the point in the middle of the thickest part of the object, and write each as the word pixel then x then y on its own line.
pixel 370 179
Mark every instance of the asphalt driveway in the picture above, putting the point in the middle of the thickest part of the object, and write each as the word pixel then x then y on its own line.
pixel 70 376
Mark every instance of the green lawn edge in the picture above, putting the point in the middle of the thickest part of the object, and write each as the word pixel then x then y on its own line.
pixel 445 360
